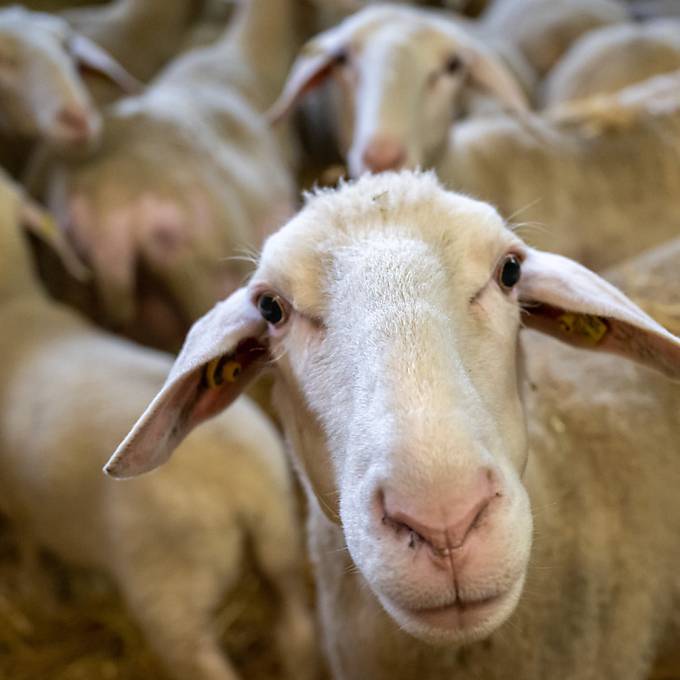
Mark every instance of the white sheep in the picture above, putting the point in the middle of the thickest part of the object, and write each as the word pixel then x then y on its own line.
pixel 598 180
pixel 42 95
pixel 608 59
pixel 188 175
pixel 174 542
pixel 544 29
pixel 448 541
pixel 142 34
pixel 399 76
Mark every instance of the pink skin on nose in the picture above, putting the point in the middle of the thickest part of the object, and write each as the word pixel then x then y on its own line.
pixel 444 525
pixel 74 123
pixel 383 153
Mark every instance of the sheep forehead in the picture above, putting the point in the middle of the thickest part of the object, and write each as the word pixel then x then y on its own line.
pixel 399 26
pixel 405 208
pixel 31 27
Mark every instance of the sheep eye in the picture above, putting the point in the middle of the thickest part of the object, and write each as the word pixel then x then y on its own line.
pixel 271 309
pixel 453 64
pixel 341 58
pixel 510 272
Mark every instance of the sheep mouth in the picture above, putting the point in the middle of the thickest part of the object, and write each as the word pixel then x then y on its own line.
pixel 461 620
pixel 459 613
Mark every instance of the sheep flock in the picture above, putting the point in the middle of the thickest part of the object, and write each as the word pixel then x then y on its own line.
pixel 340 340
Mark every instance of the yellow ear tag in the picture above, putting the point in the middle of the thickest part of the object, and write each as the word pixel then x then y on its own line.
pixel 591 328
pixel 221 370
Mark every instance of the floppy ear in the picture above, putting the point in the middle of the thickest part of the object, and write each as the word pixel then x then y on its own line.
pixel 223 352
pixel 489 73
pixel 566 300
pixel 34 218
pixel 90 56
pixel 313 65
pixel 39 222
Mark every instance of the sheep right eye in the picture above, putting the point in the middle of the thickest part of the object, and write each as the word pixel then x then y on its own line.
pixel 341 58
pixel 272 309
pixel 453 64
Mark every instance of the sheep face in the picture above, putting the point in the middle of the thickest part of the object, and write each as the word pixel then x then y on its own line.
pixel 403 348
pixel 398 73
pixel 391 310
pixel 40 87
pixel 41 91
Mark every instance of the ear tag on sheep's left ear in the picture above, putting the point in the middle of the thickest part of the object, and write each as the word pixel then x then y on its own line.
pixel 591 329
pixel 220 370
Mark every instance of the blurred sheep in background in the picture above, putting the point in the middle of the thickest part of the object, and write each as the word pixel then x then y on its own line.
pixel 42 94
pixel 188 176
pixel 611 58
pixel 398 76
pixel 172 542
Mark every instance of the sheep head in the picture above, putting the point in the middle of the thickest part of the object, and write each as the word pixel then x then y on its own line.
pixel 399 73
pixel 41 90
pixel 391 311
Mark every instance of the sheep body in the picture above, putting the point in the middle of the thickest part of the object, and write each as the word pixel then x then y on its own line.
pixel 175 542
pixel 544 29
pixel 611 58
pixel 571 177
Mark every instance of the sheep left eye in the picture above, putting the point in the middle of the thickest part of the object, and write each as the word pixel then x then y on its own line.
pixel 509 272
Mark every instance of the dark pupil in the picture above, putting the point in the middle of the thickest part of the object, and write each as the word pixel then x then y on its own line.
pixel 341 58
pixel 270 309
pixel 510 272
pixel 453 64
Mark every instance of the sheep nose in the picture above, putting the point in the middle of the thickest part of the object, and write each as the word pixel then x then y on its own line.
pixel 461 514
pixel 75 123
pixel 383 153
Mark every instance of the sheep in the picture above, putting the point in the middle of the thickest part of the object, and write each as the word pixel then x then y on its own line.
pixel 129 30
pixel 390 311
pixel 613 57
pixel 172 542
pixel 597 180
pixel 399 73
pixel 42 96
pixel 544 29
pixel 187 175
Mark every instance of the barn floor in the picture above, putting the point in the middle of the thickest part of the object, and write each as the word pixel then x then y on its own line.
pixel 73 625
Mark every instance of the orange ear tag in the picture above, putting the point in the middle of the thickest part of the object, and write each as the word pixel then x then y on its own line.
pixel 220 370
pixel 590 328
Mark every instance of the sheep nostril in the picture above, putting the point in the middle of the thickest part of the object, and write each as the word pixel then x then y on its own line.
pixel 456 519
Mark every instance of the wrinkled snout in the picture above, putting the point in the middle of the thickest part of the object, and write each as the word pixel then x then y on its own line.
pixel 447 555
pixel 444 521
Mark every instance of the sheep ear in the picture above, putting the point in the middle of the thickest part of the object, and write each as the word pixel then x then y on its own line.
pixel 39 222
pixel 223 352
pixel 311 68
pixel 488 72
pixel 566 300
pixel 90 56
